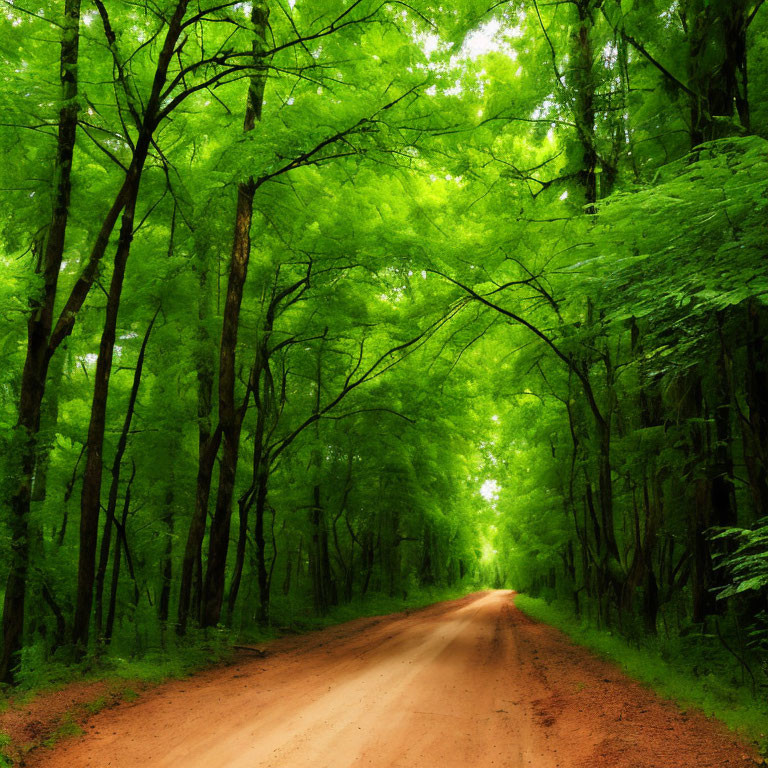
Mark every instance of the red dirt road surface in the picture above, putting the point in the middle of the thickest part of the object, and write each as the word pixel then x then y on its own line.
pixel 468 683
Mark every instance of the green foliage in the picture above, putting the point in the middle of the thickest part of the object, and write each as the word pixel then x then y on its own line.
pixel 744 566
pixel 178 659
pixel 67 729
pixel 747 564
pixel 6 745
pixel 440 297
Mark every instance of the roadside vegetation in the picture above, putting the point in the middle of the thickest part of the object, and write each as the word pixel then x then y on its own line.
pixel 692 669
pixel 319 309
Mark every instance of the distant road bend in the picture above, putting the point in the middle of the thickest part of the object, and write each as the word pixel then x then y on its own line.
pixel 468 683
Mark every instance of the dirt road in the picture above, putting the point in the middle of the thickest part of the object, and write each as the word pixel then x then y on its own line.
pixel 469 683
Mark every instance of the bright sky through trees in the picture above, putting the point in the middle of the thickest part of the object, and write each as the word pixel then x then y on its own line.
pixel 489 490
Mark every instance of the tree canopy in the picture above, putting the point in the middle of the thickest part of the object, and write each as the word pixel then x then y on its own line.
pixel 303 302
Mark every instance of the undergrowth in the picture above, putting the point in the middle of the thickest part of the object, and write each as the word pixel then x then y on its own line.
pixel 691 669
pixel 296 617
pixel 169 656
pixel 6 745
pixel 68 727
pixel 173 657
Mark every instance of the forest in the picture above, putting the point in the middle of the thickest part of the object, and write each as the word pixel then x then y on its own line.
pixel 308 304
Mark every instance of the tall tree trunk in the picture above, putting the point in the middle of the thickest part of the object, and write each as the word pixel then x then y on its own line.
pixel 262 575
pixel 723 492
pixel 717 67
pixel 207 448
pixel 243 504
pixel 90 503
pixel 121 544
pixel 698 34
pixel 48 424
pixel 426 567
pixel 168 534
pixel 230 417
pixel 755 424
pixel 61 622
pixel 699 498
pixel 347 566
pixel 208 442
pixel 254 497
pixel 391 559
pixel 288 572
pixel 90 500
pixel 367 557
pixel 734 70
pixel 584 101
pixel 323 583
pixel 263 395
pixel 37 357
pixel 122 444
pixel 583 89
pixel 166 568
pixel 68 491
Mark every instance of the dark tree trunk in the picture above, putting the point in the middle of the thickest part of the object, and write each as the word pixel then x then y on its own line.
pixel 346 564
pixel 583 89
pixel 90 502
pixel 191 571
pixel 91 492
pixel 755 426
pixel 263 395
pixel 121 544
pixel 38 351
pixel 717 68
pixel 61 624
pixel 366 560
pixel 323 584
pixel 166 564
pixel 650 602
pixel 641 571
pixel 391 559
pixel 244 504
pixel 261 561
pixel 288 571
pixel 207 448
pixel 700 498
pixel 255 496
pixel 166 570
pixel 230 418
pixel 122 444
pixel 605 488
pixel 723 493
pixel 300 558
pixel 68 491
pixel 213 586
pixel 426 569
pixel 48 423
pixel 734 70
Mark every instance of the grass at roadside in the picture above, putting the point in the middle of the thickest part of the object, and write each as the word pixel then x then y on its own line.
pixel 290 620
pixel 42 718
pixel 173 657
pixel 685 669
